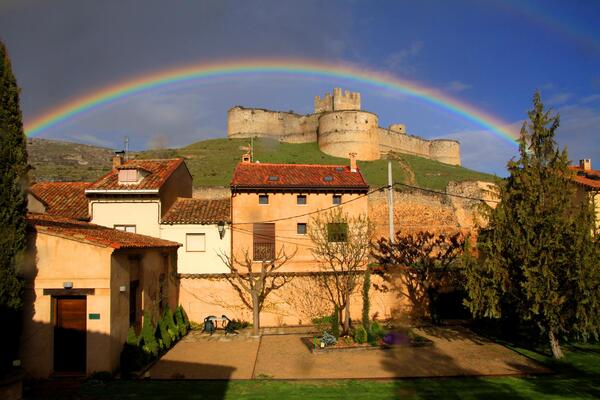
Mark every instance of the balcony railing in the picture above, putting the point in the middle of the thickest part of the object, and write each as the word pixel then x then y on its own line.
pixel 263 251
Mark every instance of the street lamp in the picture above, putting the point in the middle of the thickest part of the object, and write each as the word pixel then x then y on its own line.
pixel 221 227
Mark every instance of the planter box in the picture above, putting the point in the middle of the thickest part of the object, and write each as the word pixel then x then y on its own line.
pixel 309 342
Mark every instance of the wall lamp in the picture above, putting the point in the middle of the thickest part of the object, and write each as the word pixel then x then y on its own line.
pixel 221 228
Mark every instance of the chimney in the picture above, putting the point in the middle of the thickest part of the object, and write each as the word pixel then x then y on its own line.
pixel 353 167
pixel 585 164
pixel 117 160
pixel 246 158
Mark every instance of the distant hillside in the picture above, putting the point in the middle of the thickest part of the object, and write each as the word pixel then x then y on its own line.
pixel 55 160
pixel 211 162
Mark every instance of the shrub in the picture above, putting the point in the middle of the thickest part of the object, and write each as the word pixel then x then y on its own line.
pixel 335 322
pixel 377 330
pixel 132 338
pixel 148 339
pixel 162 333
pixel 185 318
pixel 171 327
pixel 328 339
pixel 133 358
pixel 360 334
pixel 181 325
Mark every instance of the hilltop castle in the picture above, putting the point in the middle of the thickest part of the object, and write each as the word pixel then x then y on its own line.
pixel 340 127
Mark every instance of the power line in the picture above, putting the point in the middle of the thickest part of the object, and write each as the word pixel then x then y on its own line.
pixel 445 193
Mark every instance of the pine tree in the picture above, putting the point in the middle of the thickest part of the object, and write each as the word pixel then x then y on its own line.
pixel 538 257
pixel 13 181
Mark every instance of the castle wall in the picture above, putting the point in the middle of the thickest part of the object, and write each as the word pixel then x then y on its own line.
pixel 283 126
pixel 445 151
pixel 442 150
pixel 344 132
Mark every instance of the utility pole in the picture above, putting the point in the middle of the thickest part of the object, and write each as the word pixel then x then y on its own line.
pixel 126 148
pixel 390 201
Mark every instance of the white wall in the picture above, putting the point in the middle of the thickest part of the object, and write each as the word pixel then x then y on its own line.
pixel 143 214
pixel 199 262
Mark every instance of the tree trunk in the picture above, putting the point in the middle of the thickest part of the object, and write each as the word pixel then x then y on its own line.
pixel 255 315
pixel 347 315
pixel 555 346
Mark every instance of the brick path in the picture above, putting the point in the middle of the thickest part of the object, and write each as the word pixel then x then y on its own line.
pixel 282 355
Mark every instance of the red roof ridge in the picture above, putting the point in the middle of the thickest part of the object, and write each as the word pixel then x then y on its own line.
pixel 299 165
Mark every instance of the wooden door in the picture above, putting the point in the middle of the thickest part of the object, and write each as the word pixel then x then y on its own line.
pixel 70 334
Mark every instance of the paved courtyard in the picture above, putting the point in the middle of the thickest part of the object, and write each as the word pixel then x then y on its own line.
pixel 281 354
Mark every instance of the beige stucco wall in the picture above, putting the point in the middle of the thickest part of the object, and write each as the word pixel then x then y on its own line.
pixel 282 205
pixel 294 304
pixel 189 262
pixel 344 132
pixel 179 184
pixel 53 260
pixel 144 214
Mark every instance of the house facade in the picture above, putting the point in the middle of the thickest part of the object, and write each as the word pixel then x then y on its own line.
pixel 85 286
pixel 587 181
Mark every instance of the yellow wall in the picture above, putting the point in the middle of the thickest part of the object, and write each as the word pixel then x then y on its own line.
pixel 199 262
pixel 54 260
pixel 143 213
pixel 281 205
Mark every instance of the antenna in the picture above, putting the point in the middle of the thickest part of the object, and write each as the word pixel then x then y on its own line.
pixel 126 148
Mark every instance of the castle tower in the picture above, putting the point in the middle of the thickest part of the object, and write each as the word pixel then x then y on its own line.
pixel 338 102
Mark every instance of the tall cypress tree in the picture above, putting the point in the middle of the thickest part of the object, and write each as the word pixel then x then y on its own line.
pixel 539 259
pixel 13 182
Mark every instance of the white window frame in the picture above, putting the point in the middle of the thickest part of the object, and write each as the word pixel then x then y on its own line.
pixel 126 228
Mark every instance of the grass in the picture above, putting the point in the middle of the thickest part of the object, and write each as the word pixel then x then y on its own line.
pixel 576 377
pixel 211 162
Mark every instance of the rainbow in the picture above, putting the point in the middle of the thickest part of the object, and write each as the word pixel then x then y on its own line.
pixel 242 67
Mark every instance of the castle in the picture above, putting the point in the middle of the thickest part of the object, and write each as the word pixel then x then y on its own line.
pixel 340 127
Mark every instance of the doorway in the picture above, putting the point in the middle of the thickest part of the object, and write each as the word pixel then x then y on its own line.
pixel 70 334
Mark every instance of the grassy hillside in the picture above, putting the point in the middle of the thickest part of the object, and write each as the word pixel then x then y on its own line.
pixel 211 162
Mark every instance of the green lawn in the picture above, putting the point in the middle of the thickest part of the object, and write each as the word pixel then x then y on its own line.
pixel 578 377
pixel 211 162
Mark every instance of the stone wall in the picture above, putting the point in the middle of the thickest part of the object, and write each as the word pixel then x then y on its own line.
pixel 344 132
pixel 442 150
pixel 283 126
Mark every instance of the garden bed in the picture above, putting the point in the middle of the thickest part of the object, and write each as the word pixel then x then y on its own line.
pixel 405 338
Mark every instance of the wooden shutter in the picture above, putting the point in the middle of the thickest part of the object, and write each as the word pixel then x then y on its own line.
pixel 263 241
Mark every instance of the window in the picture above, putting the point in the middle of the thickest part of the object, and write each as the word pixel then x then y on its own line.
pixel 273 178
pixel 328 178
pixel 337 232
pixel 263 199
pixel 301 228
pixel 263 238
pixel 337 199
pixel 195 242
pixel 125 228
pixel 128 175
pixel 301 199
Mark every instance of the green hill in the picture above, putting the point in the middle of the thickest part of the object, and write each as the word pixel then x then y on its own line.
pixel 211 162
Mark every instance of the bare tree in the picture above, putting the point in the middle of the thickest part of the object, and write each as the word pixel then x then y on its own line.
pixel 252 285
pixel 341 246
pixel 423 262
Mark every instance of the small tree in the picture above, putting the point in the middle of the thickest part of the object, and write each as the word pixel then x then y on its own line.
pixel 365 298
pixel 341 246
pixel 538 257
pixel 424 263
pixel 252 286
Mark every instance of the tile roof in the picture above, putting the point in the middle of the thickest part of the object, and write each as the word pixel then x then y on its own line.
pixel 160 171
pixel 198 211
pixel 94 234
pixel 63 198
pixel 280 176
pixel 590 179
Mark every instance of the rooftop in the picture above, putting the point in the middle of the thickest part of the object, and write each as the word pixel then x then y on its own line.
pixel 158 173
pixel 296 176
pixel 198 211
pixel 63 198
pixel 590 179
pixel 94 234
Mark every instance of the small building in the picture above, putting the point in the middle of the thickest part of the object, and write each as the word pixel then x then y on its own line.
pixel 85 286
pixel 272 206
pixel 588 185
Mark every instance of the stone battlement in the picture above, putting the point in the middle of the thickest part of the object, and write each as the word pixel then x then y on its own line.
pixel 339 127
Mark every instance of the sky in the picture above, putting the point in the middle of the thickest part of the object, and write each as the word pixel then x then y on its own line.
pixel 491 55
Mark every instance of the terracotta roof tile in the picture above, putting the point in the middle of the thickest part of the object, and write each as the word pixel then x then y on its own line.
pixel 63 198
pixel 589 179
pixel 259 175
pixel 159 172
pixel 198 211
pixel 94 234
